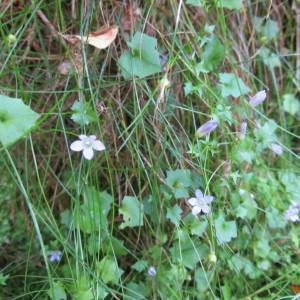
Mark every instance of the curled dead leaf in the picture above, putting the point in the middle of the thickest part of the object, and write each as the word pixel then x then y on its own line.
pixel 102 38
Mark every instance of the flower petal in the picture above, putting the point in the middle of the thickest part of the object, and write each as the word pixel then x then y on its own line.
pixel 208 199
pixel 92 137
pixel 88 153
pixel 77 146
pixel 258 98
pixel 193 201
pixel 82 136
pixel 196 210
pixel 99 146
pixel 205 208
pixel 198 194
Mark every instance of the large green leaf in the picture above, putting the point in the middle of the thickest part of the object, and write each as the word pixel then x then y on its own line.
pixel 143 58
pixel 232 85
pixel 132 211
pixel 16 119
pixel 108 270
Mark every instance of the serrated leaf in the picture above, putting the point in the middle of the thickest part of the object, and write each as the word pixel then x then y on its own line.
pixel 232 85
pixel 83 113
pixel 230 4
pixel 213 54
pixel 16 120
pixel 179 181
pixel 143 58
pixel 174 214
pixel 109 271
pixel 225 230
pixel 132 211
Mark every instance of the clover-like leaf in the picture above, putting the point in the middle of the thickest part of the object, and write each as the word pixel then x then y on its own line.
pixel 142 59
pixel 232 85
pixel 225 230
pixel 132 211
pixel 16 119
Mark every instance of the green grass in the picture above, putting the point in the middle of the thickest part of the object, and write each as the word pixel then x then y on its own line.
pixel 53 199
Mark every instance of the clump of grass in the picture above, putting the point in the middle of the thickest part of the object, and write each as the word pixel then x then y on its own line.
pixel 127 224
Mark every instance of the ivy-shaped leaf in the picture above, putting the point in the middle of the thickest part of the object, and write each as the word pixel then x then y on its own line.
pixel 143 58
pixel 174 214
pixel 179 181
pixel 225 230
pixel 83 113
pixel 232 85
pixel 16 119
pixel 132 211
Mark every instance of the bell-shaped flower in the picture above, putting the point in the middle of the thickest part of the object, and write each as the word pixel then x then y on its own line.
pixel 207 128
pixel 258 98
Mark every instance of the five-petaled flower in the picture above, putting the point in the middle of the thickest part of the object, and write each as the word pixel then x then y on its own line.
pixel 55 256
pixel 200 203
pixel 87 144
pixel 292 213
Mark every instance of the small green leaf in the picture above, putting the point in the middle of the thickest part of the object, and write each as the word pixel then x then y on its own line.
pixel 213 54
pixel 16 120
pixel 83 113
pixel 179 181
pixel 109 271
pixel 174 214
pixel 275 218
pixel 132 211
pixel 291 104
pixel 225 231
pixel 143 59
pixel 140 265
pixel 58 291
pixel 270 29
pixel 232 85
pixel 137 291
pixel 270 59
pixel 230 4
pixel 197 3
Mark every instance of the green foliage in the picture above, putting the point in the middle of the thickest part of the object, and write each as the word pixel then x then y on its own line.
pixel 143 58
pixel 83 113
pixel 58 291
pixel 197 3
pixel 291 104
pixel 179 181
pixel 174 214
pixel 230 4
pixel 232 85
pixel 16 119
pixel 225 230
pixel 109 271
pixel 132 211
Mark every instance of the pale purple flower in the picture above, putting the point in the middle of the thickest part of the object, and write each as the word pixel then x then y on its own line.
pixel 206 128
pixel 200 203
pixel 243 129
pixel 277 149
pixel 258 98
pixel 152 271
pixel 55 256
pixel 292 213
pixel 87 144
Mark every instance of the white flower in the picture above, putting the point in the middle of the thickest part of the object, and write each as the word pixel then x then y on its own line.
pixel 258 98
pixel 292 213
pixel 87 144
pixel 277 149
pixel 200 203
pixel 55 256
pixel 152 271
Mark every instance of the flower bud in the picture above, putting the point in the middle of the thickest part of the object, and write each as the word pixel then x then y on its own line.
pixel 206 128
